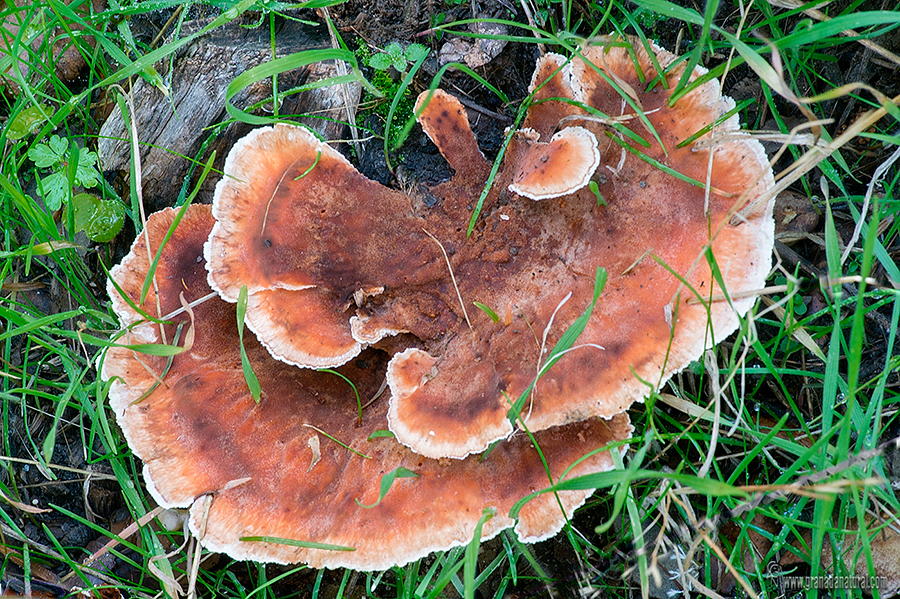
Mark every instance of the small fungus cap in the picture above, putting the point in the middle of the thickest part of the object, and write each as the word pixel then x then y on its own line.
pixel 296 320
pixel 443 119
pixel 562 166
pixel 270 469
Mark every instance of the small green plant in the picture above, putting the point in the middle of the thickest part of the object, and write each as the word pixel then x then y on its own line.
pixel 396 105
pixel 56 156
pixel 100 219
pixel 26 122
pixel 395 56
pixel 796 305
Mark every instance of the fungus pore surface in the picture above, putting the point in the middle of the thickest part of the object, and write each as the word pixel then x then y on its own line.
pixel 269 469
pixel 316 242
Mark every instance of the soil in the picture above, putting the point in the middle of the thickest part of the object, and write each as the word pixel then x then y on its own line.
pixel 98 502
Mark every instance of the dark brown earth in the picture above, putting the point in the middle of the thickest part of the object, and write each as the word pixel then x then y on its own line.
pixel 99 500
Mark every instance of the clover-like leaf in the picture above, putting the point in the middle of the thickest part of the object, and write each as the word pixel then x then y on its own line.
pixel 380 62
pixel 86 175
pixel 54 188
pixel 48 154
pixel 415 52
pixel 59 146
pixel 394 51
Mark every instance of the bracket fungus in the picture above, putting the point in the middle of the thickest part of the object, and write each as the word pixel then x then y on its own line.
pixel 334 262
pixel 252 474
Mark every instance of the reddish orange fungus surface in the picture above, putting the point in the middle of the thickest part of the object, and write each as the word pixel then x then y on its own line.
pixel 248 469
pixel 309 224
pixel 345 273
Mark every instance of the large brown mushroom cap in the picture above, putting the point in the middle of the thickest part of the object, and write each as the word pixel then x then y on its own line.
pixel 651 238
pixel 248 470
pixel 266 240
pixel 533 262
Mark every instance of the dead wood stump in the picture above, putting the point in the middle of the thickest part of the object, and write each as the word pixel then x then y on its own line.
pixel 172 131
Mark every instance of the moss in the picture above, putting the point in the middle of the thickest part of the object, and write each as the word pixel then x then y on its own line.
pixel 389 85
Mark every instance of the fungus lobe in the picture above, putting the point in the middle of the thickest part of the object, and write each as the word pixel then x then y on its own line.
pixel 251 470
pixel 389 268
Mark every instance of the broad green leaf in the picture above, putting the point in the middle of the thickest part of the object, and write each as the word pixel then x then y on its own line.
pixel 106 221
pixel 380 62
pixel 416 51
pixel 394 51
pixel 84 205
pixel 26 122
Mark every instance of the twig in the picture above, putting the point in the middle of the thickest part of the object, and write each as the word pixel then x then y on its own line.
pixel 452 277
pixel 87 473
pixel 768 497
pixel 792 258
pixel 483 110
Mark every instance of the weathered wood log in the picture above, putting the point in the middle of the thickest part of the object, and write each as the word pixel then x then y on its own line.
pixel 172 130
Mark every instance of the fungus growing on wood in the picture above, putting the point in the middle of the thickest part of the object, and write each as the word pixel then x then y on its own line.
pixel 249 470
pixel 309 221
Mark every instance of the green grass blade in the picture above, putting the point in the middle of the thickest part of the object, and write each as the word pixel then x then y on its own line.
pixel 566 341
pixel 275 67
pixel 471 558
pixel 386 481
pixel 401 91
pixel 249 375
